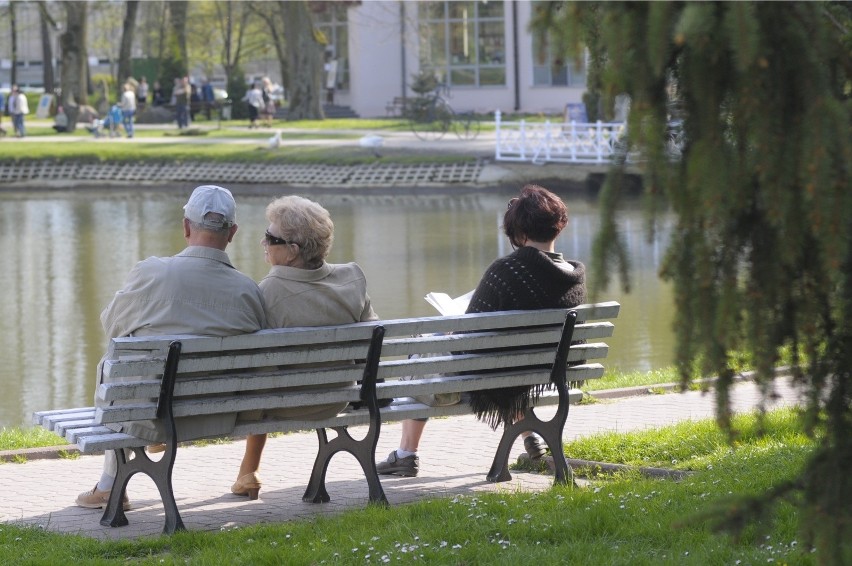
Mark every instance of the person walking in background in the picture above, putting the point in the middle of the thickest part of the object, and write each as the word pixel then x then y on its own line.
pixel 267 111
pixel 254 102
pixel 532 277
pixel 181 94
pixel 3 110
pixel 301 289
pixel 128 108
pixel 18 108
pixel 208 98
pixel 142 93
pixel 197 291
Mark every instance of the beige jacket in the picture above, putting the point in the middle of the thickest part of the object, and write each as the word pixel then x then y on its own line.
pixel 329 295
pixel 197 291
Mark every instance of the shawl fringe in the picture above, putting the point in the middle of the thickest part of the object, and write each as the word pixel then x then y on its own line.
pixel 496 407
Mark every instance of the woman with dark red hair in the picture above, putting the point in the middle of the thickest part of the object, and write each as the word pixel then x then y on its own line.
pixel 534 276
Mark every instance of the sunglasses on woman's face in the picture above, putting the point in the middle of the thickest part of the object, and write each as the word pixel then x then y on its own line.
pixel 275 240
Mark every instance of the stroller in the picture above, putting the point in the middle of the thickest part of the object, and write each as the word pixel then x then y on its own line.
pixel 110 123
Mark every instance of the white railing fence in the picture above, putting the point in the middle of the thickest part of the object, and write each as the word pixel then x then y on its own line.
pixel 570 142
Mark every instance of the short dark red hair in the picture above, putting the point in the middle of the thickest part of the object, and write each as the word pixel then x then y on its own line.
pixel 537 215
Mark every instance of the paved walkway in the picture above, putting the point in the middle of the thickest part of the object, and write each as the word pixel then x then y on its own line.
pixel 455 455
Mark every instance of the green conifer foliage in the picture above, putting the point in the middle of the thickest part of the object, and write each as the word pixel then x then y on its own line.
pixel 761 256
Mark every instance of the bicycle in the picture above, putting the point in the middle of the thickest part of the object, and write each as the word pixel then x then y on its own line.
pixel 430 116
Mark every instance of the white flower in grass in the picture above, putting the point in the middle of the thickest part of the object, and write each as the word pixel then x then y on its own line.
pixel 443 544
pixel 456 546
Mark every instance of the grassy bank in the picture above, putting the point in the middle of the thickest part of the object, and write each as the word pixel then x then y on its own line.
pixel 330 142
pixel 623 519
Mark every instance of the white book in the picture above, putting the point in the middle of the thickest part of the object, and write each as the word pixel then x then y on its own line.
pixel 447 305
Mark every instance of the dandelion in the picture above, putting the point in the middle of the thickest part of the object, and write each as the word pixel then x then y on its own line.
pixel 443 544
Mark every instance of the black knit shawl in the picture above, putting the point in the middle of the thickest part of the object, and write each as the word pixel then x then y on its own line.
pixel 527 279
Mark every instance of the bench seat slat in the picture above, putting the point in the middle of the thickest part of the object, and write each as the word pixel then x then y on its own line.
pixel 53 421
pixel 39 417
pixel 73 436
pixel 62 428
pixel 99 443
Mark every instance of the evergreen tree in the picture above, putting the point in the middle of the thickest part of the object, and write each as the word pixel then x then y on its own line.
pixel 761 256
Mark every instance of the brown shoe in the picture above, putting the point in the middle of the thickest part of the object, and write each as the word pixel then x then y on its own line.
pixel 97 499
pixel 155 448
pixel 248 484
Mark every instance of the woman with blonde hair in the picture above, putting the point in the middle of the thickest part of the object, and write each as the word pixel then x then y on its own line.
pixel 301 289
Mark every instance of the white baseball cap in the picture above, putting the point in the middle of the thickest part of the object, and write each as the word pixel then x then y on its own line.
pixel 210 198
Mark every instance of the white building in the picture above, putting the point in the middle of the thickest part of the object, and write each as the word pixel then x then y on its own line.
pixel 483 50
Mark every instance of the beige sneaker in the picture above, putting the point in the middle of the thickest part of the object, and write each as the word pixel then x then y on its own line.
pixel 97 499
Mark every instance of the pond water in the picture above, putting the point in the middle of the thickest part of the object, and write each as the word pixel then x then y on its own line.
pixel 66 253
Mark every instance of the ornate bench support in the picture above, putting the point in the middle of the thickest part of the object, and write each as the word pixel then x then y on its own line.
pixel 161 471
pixel 364 450
pixel 550 431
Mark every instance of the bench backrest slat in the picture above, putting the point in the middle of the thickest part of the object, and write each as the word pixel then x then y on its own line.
pixel 227 383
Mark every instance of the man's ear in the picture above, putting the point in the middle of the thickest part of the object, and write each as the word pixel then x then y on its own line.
pixel 186 228
pixel 231 233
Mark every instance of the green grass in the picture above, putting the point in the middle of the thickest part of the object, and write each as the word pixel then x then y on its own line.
pixel 618 380
pixel 16 438
pixel 624 519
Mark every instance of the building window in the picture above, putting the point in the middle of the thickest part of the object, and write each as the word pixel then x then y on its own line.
pixel 331 19
pixel 551 68
pixel 463 42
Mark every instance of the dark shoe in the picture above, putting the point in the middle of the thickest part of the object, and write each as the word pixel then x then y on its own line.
pixel 535 447
pixel 406 467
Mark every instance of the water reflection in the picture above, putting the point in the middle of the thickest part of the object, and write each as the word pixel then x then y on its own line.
pixel 65 255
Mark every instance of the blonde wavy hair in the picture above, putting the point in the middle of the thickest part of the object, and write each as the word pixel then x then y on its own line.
pixel 302 221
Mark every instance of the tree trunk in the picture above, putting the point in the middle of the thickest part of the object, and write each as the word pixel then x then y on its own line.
pixel 13 28
pixel 124 68
pixel 174 63
pixel 274 25
pixel 304 55
pixel 75 68
pixel 177 19
pixel 46 23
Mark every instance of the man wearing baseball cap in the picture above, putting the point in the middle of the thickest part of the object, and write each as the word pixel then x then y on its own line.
pixel 197 291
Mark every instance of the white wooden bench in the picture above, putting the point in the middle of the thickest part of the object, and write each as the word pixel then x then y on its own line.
pixel 170 377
